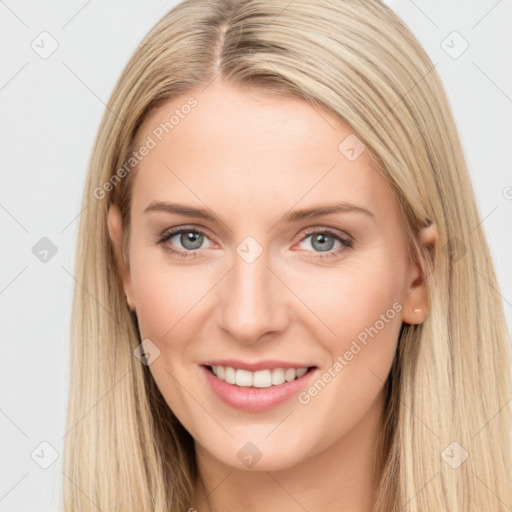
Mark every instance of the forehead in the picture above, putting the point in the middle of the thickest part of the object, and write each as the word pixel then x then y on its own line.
pixel 268 153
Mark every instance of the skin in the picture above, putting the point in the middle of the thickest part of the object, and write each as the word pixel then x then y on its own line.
pixel 250 158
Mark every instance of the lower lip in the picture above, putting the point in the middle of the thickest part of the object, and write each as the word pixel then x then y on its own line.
pixel 253 399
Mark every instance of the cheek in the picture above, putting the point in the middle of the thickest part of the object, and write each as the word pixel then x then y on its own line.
pixel 359 306
pixel 353 296
pixel 168 300
pixel 165 295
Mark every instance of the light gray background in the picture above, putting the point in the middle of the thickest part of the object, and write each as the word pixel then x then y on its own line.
pixel 51 109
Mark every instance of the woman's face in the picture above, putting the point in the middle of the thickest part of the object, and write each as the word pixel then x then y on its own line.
pixel 260 280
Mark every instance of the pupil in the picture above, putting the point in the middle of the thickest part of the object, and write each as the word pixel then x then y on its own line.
pixel 192 238
pixel 322 239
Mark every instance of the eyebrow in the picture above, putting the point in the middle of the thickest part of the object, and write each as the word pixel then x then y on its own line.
pixel 290 217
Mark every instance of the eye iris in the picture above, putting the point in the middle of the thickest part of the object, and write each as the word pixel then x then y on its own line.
pixel 193 238
pixel 320 237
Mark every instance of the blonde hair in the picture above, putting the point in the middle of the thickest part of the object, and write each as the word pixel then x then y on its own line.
pixel 450 381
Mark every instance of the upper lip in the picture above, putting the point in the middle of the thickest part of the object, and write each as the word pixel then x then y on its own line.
pixel 269 364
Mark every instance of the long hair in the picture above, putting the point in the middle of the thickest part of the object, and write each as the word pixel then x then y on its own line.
pixel 447 421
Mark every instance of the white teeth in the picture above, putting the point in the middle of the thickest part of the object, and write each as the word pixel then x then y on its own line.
pixel 229 376
pixel 278 376
pixel 258 379
pixel 301 372
pixel 289 374
pixel 243 378
pixel 262 379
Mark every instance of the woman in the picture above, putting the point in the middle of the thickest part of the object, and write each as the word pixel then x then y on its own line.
pixel 286 299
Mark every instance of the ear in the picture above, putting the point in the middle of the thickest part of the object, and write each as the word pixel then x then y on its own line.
pixel 115 231
pixel 416 304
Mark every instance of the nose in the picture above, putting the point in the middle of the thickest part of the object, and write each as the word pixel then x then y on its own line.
pixel 253 301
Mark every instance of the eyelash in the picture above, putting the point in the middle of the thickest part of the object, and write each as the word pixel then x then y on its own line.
pixel 346 242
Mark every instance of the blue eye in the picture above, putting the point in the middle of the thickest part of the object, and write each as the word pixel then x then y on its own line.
pixel 191 239
pixel 324 240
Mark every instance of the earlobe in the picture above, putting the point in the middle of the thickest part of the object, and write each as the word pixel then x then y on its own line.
pixel 416 303
pixel 115 230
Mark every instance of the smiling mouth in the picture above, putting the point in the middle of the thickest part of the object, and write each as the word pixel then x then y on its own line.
pixel 258 379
